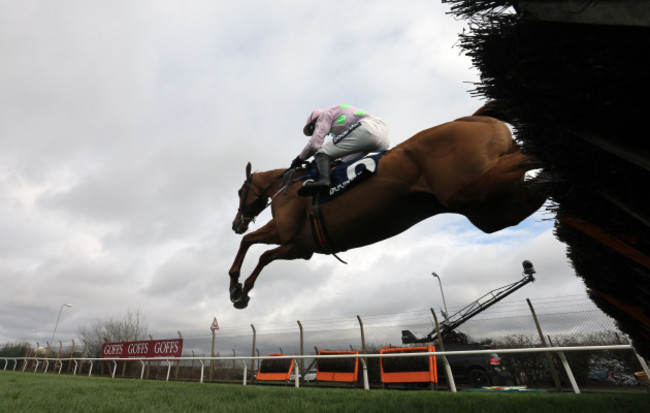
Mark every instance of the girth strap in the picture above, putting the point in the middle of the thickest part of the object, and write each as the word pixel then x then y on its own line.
pixel 318 229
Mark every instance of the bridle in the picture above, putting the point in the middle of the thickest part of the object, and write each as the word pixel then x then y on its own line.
pixel 246 216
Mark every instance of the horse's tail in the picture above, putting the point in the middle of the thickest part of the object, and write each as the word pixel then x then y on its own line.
pixel 493 110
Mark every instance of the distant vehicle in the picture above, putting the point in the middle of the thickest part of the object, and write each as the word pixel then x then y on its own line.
pixel 605 377
pixel 309 376
pixel 476 370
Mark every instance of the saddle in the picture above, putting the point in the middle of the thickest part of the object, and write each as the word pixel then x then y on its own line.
pixel 345 175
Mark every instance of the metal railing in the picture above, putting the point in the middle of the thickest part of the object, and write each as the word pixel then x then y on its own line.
pixel 363 357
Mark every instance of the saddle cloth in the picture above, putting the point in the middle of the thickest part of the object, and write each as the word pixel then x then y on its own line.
pixel 346 175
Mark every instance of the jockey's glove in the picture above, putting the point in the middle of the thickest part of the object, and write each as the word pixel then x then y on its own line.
pixel 296 163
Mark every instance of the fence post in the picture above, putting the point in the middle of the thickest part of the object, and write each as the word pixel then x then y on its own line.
pixel 71 356
pixel 302 352
pixel 567 368
pixel 83 354
pixel 364 360
pixel 27 354
pixel 549 359
pixel 58 358
pixel 148 371
pixel 178 362
pixel 234 362
pixel 103 364
pixel 644 365
pixel 253 354
pixel 245 372
pixel 128 339
pixel 212 356
pixel 448 372
pixel 297 373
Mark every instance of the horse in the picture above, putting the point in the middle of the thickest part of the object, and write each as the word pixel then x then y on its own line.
pixel 470 166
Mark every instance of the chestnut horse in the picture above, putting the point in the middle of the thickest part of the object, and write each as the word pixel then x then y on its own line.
pixel 470 166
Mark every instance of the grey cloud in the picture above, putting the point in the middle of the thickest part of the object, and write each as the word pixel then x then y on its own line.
pixel 125 129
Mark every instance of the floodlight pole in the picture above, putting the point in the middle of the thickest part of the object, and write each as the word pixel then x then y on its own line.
pixel 442 293
pixel 57 321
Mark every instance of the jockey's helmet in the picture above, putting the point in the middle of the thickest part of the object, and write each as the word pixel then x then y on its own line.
pixel 311 121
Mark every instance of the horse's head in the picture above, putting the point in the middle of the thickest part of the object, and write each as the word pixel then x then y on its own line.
pixel 252 200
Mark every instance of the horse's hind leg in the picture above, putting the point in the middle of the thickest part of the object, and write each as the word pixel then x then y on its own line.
pixel 266 235
pixel 283 252
pixel 500 198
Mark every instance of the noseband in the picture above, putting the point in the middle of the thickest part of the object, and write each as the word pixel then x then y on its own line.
pixel 246 216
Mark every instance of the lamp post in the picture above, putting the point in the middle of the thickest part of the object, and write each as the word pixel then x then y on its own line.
pixel 57 321
pixel 446 314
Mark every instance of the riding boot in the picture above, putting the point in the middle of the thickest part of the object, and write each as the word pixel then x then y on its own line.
pixel 323 167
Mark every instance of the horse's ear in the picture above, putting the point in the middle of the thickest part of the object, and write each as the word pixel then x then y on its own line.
pixel 248 170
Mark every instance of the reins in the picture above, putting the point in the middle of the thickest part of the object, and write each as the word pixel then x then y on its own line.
pixel 318 228
pixel 243 215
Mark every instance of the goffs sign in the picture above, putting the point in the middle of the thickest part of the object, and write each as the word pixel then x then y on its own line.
pixel 143 349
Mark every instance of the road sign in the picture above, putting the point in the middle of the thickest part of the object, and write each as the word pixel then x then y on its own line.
pixel 215 325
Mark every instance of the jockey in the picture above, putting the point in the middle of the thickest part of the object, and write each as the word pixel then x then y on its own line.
pixel 354 133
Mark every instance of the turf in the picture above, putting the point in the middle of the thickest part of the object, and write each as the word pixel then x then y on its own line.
pixel 28 392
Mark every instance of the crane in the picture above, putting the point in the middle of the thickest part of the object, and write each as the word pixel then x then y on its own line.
pixel 477 306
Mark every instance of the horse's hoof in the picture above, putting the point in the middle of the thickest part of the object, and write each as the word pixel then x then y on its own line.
pixel 236 292
pixel 242 302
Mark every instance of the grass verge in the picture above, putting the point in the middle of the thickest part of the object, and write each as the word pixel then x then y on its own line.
pixel 28 392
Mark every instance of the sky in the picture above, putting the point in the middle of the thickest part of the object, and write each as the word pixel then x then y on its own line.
pixel 125 128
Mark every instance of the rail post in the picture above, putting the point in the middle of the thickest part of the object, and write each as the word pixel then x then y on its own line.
pixel 178 362
pixel 148 372
pixel 142 370
pixel 297 373
pixel 71 355
pixel 83 354
pixel 212 355
pixel 302 350
pixel 27 353
pixel 567 368
pixel 169 369
pixel 364 360
pixel 245 373
pixel 128 339
pixel 549 359
pixel 448 373
pixel 58 358
pixel 644 365
pixel 202 369
pixel 253 361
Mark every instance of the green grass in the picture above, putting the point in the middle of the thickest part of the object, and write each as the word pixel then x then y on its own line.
pixel 29 392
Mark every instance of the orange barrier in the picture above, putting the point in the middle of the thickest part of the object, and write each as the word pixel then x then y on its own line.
pixel 408 369
pixel 275 369
pixel 345 369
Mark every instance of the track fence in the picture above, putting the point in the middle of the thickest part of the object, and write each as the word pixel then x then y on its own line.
pixel 511 327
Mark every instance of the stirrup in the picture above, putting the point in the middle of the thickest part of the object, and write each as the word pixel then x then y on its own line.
pixel 311 187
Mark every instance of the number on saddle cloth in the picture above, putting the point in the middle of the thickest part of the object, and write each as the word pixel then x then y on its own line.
pixel 345 175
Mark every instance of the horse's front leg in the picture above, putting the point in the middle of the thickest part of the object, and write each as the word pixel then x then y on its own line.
pixel 266 235
pixel 283 252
